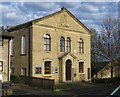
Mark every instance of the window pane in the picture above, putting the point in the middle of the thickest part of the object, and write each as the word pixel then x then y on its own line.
pixel 48 41
pixel 38 70
pixel 1 42
pixel 45 47
pixel 0 68
pixel 23 44
pixel 45 41
pixel 12 46
pixel 47 67
pixel 12 70
pixel 81 50
pixel 0 63
pixel 80 67
pixel 48 47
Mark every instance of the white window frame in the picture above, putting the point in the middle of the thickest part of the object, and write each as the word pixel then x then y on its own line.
pixel 12 47
pixel 23 45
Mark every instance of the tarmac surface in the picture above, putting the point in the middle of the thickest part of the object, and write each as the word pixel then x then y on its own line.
pixel 84 91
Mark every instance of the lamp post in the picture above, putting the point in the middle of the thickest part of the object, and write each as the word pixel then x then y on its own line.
pixel 72 77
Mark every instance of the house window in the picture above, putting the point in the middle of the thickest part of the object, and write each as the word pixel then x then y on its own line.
pixel 1 65
pixel 80 46
pixel 12 70
pixel 38 70
pixel 47 42
pixel 23 45
pixel 80 67
pixel 23 71
pixel 12 47
pixel 47 67
pixel 68 44
pixel 62 44
pixel 1 41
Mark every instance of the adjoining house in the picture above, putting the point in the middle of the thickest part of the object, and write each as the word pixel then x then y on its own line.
pixel 56 47
pixel 105 71
pixel 5 38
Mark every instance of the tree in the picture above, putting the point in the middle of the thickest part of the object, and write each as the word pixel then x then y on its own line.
pixel 94 57
pixel 108 41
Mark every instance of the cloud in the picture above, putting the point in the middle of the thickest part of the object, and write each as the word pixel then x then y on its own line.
pixel 89 13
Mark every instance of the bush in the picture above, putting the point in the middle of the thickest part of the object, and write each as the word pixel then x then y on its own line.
pixel 17 79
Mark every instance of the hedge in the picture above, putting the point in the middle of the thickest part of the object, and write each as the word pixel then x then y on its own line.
pixel 16 79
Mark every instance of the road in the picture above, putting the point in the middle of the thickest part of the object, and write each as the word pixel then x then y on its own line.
pixel 82 92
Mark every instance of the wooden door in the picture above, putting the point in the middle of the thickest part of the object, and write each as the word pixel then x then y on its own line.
pixel 88 73
pixel 68 72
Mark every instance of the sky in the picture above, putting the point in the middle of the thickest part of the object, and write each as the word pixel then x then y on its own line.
pixel 91 14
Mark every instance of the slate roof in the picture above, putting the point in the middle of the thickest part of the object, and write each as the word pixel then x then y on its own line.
pixel 4 34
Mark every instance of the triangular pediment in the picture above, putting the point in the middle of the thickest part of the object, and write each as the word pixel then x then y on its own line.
pixel 66 54
pixel 62 20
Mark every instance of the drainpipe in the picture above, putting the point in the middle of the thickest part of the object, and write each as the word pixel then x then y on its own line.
pixel 8 60
pixel 29 51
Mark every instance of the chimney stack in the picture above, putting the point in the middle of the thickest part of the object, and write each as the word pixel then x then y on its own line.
pixel 63 8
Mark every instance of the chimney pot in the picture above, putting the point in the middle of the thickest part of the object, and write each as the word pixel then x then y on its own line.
pixel 63 8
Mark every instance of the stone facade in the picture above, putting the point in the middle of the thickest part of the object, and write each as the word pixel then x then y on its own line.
pixel 58 24
pixel 5 56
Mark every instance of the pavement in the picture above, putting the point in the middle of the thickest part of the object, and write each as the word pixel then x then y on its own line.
pixel 85 91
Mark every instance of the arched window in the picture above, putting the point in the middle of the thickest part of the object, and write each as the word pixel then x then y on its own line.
pixel 47 42
pixel 68 44
pixel 62 44
pixel 80 46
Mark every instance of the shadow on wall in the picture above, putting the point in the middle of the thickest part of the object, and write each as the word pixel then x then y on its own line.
pixel 0 88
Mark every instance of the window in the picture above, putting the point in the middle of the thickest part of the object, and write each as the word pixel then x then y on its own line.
pixel 12 47
pixel 38 70
pixel 23 71
pixel 12 70
pixel 47 42
pixel 80 67
pixel 80 46
pixel 1 41
pixel 23 46
pixel 47 67
pixel 68 44
pixel 1 65
pixel 62 44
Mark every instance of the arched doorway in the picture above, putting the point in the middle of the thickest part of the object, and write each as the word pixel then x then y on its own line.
pixel 68 70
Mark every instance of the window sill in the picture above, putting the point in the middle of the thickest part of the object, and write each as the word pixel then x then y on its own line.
pixel 22 54
pixel 81 53
pixel 38 73
pixel 47 51
pixel 81 73
pixel 47 75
